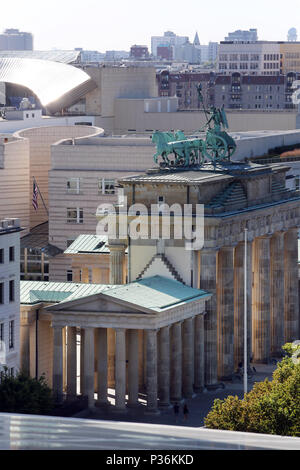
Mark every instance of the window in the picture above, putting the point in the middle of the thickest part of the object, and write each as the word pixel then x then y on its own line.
pixel 69 275
pixel 106 186
pixel 11 291
pixel 75 215
pixel 1 292
pixel 1 255
pixel 11 253
pixel 297 183
pixel 73 185
pixel 11 334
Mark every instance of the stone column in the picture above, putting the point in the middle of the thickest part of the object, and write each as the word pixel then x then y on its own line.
pixel 71 362
pixel 82 390
pixel 291 286
pixel 187 358
pixel 76 276
pixel 261 300
pixel 164 366
pixel 176 362
pixel 25 346
pixel 208 276
pixel 277 293
pixel 120 369
pixel 102 367
pixel 116 262
pixel 57 383
pixel 85 275
pixel 225 292
pixel 239 271
pixel 133 368
pixel 89 357
pixel 96 275
pixel 151 370
pixel 199 354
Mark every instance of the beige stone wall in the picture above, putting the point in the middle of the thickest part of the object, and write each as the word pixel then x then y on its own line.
pixel 40 140
pixel 129 114
pixel 119 82
pixel 14 180
pixel 90 159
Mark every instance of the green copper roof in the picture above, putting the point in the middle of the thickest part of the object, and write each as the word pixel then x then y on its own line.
pixel 88 244
pixel 32 292
pixel 156 293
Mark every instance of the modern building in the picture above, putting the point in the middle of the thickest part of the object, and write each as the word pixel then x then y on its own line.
pixel 292 35
pixel 15 40
pixel 169 38
pixel 83 176
pixel 139 52
pixel 10 295
pixel 239 35
pixel 259 57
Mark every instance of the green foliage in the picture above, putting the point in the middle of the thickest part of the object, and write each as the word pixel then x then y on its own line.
pixel 23 394
pixel 271 407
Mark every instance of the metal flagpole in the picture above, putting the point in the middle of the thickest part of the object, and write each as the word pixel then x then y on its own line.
pixel 245 316
pixel 41 195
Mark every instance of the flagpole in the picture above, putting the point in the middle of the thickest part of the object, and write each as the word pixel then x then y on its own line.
pixel 34 180
pixel 245 316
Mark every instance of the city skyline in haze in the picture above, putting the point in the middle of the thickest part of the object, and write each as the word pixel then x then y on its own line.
pixel 69 24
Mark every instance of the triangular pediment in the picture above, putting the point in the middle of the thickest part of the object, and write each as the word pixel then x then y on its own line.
pixel 97 303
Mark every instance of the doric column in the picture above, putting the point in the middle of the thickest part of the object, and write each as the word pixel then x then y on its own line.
pixel 133 367
pixel 164 366
pixel 120 369
pixel 239 287
pixel 82 390
pixel 277 293
pixel 102 366
pixel 76 275
pixel 85 275
pixel 116 262
pixel 261 300
pixel 187 358
pixel 57 363
pixel 71 361
pixel 176 362
pixel 225 294
pixel 25 346
pixel 89 358
pixel 151 369
pixel 96 275
pixel 199 362
pixel 208 276
pixel 291 294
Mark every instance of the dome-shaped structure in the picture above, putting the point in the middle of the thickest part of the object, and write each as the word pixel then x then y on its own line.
pixel 57 85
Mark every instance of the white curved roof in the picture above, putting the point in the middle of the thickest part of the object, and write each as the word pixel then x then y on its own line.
pixel 50 81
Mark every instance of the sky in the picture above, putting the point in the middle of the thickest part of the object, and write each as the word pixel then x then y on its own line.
pixel 118 24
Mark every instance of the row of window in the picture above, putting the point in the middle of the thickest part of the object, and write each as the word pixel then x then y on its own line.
pixel 11 254
pixel 105 185
pixel 11 335
pixel 11 292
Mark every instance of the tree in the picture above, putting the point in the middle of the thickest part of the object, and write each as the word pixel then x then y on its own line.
pixel 23 394
pixel 271 407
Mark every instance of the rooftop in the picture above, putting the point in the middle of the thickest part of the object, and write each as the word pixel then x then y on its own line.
pixel 155 293
pixel 33 292
pixel 86 244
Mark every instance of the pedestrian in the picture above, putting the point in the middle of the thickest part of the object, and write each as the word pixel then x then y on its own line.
pixel 176 411
pixel 185 412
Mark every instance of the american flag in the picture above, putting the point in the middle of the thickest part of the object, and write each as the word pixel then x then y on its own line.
pixel 35 196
